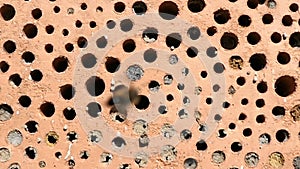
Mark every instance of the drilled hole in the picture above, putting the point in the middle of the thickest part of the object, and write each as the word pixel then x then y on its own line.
pixel 294 7
pixel 201 145
pixel 60 64
pixel 260 118
pixel 4 66
pixel 244 20
pixel 49 48
pixel 283 58
pixel 253 38
pixel 119 7
pixel 47 109
pixel 282 135
pixel 211 31
pixel 30 30
pixel 229 41
pixel 31 127
pixel 285 86
pixel 7 12
pixel 141 102
pixel 173 40
pixel 49 29
pixel 31 152
pixel 287 20
pixel 15 79
pixel 69 113
pixel 278 111
pixel 262 87
pixel 129 45
pixel 36 75
pixel 236 146
pixel 222 16
pixel 294 40
pixel 252 4
pixel 267 19
pixel 168 10
pixel 9 46
pixel 95 86
pixel 258 61
pixel 94 109
pixel 67 91
pixel 139 7
pixel 24 101
pixel 82 42
pixel 36 13
pixel 276 37
pixel 196 5
pixel 112 64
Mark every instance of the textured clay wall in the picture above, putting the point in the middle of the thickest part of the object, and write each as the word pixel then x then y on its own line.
pixel 149 84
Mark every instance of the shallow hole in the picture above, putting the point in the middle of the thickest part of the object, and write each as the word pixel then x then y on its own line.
pixel 218 157
pixel 118 142
pixel 285 86
pixel 251 159
pixel 47 109
pixel 264 138
pixel 95 136
pixel 110 24
pixel 101 42
pixel 194 32
pixel 150 35
pixel 168 10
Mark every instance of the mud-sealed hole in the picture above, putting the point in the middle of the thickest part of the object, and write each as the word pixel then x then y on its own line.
pixel 15 79
pixel 296 162
pixel 264 138
pixel 48 109
pixel 28 57
pixel 258 61
pixel 140 127
pixel 282 135
pixel 60 64
pixel 31 126
pixel 222 16
pixel 69 113
pixel 14 137
pixel 106 157
pixel 236 62
pixel 211 31
pixel 167 130
pixel 262 87
pixel 6 112
pixel 4 154
pixel 119 7
pixel 95 86
pixel 247 132
pixel 251 159
pixel 168 10
pixel 287 20
pixel 24 101
pixel 42 164
pixel 88 60
pixel 112 64
pixel 139 7
pixel 196 5
pixel 253 38
pixel 94 109
pixel 52 138
pixel 295 112
pixel 95 136
pixel 30 30
pixel 244 20
pixel 276 160
pixel 229 41
pixel 82 42
pixel 173 40
pixel 190 163
pixel 144 140
pixel 294 40
pixel 218 157
pixel 285 86
pixel 150 35
pixel 168 153
pixel 72 136
pixel 201 145
pixel 31 152
pixel 9 46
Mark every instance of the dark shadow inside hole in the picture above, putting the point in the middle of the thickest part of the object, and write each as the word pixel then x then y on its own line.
pixel 60 64
pixel 240 81
pixel 282 135
pixel 196 5
pixel 95 86
pixel 129 45
pixel 276 37
pixel 267 19
pixel 36 75
pixel 173 40
pixel 278 111
pixel 16 79
pixel 7 12
pixel 4 66
pixel 49 48
pixel 119 7
pixel 294 7
pixel 88 60
pixel 30 30
pixel 69 113
pixel 82 42
pixel 222 16
pixel 141 102
pixel 201 145
pixel 69 47
pixel 262 87
pixel 283 58
pixel 211 30
pixel 28 57
pixel 190 163
pixel 49 29
pixel 36 13
pixel 285 86
pixel 192 52
pixel 150 35
pixel 24 101
pixel 72 136
pixel 31 126
pixel 67 91
pixel 252 4
pixel 51 139
pixel 139 7
pixel 30 152
pixel 287 20
pixel 253 38
pixel 222 133
pixel 47 109
pixel 112 64
pixel 168 10
pixel 244 20
pixel 9 46
pixel 294 40
pixel 229 41
pixel 260 118
pixel 242 116
pixel 236 146
pixel 258 61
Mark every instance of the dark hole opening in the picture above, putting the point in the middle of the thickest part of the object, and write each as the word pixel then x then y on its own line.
pixel 141 102
pixel 119 7
pixel 168 10
pixel 139 7
pixel 260 103
pixel 262 87
pixel 236 146
pixel 28 57
pixel 129 45
pixel 24 101
pixel 294 7
pixel 49 29
pixel 276 37
pixel 252 4
pixel 242 116
pixel 47 109
pixel 112 64
pixel 36 75
pixel 36 13
pixel 69 47
pixel 285 86
pixel 287 20
pixel 30 30
pixel 49 48
pixel 278 111
pixel 282 135
pixel 260 118
pixel 69 113
pixel 60 64
pixel 229 41
pixel 9 46
pixel 7 12
pixel 196 5
pixel 253 38
pixel 241 81
pixel 82 42
pixel 30 152
pixel 16 79
pixel 173 40
pixel 244 20
pixel 211 31
pixel 31 126
pixel 201 145
pixel 192 52
pixel 294 40
pixel 258 61
pixel 95 86
pixel 4 66
pixel 222 16
pixel 67 91
pixel 267 19
pixel 283 58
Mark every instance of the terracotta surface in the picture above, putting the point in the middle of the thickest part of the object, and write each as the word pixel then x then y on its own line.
pixel 235 99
